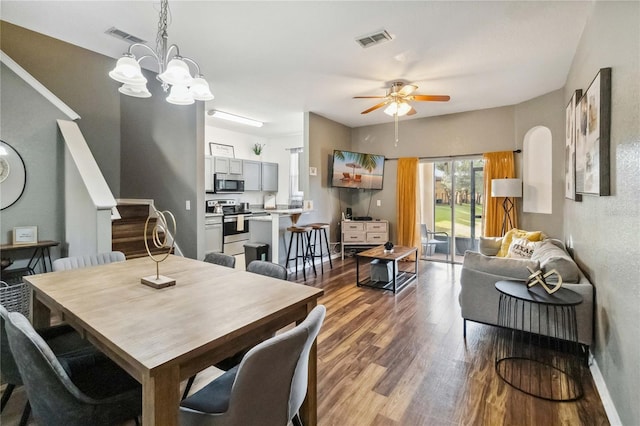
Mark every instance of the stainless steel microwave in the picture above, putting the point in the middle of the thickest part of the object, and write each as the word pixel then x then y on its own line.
pixel 223 183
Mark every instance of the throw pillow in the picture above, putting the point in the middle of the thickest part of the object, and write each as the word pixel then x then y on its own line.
pixel 517 233
pixel 521 248
pixel 489 246
pixel 551 257
pixel 498 268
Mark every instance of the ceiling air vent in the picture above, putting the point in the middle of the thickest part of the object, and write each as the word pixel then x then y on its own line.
pixel 375 38
pixel 124 36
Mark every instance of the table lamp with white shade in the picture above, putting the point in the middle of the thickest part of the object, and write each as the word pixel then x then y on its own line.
pixel 508 188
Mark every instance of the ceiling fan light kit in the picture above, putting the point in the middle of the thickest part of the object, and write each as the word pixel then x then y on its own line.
pixel 173 70
pixel 398 97
pixel 399 108
pixel 397 101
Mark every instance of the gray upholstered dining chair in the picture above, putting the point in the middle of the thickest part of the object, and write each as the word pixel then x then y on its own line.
pixel 230 262
pixel 62 339
pixel 65 392
pixel 268 268
pixel 75 262
pixel 221 259
pixel 268 386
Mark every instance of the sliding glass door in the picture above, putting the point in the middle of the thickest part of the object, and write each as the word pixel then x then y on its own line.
pixel 451 208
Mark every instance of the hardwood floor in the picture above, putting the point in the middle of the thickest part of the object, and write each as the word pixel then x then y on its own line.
pixel 386 359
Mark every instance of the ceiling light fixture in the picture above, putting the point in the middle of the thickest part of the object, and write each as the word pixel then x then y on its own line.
pixel 399 108
pixel 235 118
pixel 173 69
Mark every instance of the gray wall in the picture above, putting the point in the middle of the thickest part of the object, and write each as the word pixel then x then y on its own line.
pixel 605 231
pixel 28 124
pixel 80 80
pixel 546 110
pixel 465 133
pixel 325 136
pixel 162 158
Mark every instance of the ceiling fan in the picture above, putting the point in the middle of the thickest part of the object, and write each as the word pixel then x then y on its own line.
pixel 398 97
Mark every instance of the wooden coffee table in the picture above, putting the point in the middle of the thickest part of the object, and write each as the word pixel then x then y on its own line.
pixel 399 279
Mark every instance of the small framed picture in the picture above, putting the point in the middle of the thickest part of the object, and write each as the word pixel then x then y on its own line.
pixel 220 150
pixel 25 235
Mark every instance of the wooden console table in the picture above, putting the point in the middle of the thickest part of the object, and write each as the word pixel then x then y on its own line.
pixel 364 233
pixel 40 254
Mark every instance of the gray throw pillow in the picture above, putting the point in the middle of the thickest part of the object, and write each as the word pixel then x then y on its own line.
pixel 551 257
pixel 501 266
pixel 490 246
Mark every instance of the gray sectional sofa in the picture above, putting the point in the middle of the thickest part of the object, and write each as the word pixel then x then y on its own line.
pixel 480 271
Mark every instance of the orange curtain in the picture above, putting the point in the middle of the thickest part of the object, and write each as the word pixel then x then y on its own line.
pixel 497 165
pixel 407 203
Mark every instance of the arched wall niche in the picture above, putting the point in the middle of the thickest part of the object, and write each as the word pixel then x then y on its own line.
pixel 537 164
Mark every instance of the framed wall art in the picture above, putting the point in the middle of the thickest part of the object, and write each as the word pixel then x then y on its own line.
pixel 25 235
pixel 220 150
pixel 570 148
pixel 593 127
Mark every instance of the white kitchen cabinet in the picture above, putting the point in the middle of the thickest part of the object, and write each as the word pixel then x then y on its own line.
pixel 252 175
pixel 225 165
pixel 270 177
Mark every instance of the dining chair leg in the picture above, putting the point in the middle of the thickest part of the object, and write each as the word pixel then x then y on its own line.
pixel 25 414
pixel 188 387
pixel 6 395
pixel 296 420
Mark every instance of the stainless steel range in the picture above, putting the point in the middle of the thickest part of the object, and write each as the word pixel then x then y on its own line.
pixel 235 226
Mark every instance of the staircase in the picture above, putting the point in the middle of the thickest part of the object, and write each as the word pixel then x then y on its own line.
pixel 127 233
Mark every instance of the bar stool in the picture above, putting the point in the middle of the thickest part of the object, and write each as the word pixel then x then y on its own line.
pixel 302 248
pixel 317 230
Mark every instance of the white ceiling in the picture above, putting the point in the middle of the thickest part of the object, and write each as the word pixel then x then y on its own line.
pixel 274 60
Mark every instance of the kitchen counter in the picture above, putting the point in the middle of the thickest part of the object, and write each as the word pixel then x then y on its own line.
pixel 274 232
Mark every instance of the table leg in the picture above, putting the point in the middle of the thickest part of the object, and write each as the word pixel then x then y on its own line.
pixel 161 397
pixel 40 314
pixel 395 273
pixel 35 258
pixel 49 257
pixel 309 409
pixel 357 271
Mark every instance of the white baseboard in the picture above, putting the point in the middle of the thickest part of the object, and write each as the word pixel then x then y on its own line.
pixel 605 397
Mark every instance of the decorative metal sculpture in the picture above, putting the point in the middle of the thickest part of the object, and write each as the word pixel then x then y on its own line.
pixel 538 277
pixel 162 238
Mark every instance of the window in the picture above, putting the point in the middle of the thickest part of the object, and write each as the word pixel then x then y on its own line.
pixel 295 194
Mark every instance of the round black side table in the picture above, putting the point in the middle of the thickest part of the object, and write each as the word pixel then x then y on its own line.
pixel 536 347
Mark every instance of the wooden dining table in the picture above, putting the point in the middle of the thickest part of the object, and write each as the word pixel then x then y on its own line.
pixel 164 336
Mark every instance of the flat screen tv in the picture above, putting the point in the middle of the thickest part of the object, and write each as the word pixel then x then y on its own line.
pixel 357 170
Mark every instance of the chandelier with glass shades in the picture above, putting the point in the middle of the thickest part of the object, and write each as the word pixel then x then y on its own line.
pixel 173 70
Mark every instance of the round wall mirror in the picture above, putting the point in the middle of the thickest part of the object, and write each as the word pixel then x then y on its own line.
pixel 13 175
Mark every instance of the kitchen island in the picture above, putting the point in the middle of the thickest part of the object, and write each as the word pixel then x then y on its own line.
pixel 270 226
